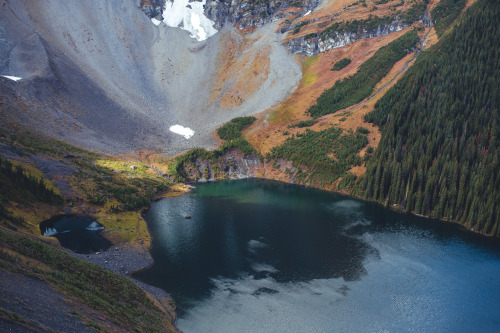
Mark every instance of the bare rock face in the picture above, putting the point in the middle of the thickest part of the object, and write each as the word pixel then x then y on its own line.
pixel 254 13
pixel 240 13
pixel 310 45
pixel 153 8
pixel 232 165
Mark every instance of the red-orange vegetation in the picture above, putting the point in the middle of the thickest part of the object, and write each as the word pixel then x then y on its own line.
pixel 272 125
pixel 333 11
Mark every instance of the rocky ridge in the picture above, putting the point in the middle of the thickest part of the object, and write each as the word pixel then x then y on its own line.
pixel 242 14
pixel 312 44
pixel 254 13
pixel 245 14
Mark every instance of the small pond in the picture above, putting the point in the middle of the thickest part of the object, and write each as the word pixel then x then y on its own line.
pixel 77 233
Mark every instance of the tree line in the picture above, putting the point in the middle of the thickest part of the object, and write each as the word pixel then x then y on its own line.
pixel 14 180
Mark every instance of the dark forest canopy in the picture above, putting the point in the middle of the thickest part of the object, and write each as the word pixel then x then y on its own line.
pixel 440 148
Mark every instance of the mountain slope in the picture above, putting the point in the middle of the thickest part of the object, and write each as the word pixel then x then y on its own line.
pixel 440 148
pixel 103 76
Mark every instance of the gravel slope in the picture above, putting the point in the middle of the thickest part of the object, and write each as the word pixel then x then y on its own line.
pixel 102 75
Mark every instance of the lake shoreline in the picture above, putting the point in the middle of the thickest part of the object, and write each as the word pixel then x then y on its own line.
pixel 128 259
pixel 350 195
pixel 185 251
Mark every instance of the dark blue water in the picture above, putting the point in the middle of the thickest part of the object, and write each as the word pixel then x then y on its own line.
pixel 77 233
pixel 261 256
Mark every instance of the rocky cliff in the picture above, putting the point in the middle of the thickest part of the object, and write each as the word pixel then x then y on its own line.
pixel 240 13
pixel 246 14
pixel 231 165
pixel 153 8
pixel 311 44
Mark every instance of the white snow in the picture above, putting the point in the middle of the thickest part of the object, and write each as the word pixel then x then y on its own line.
pixel 155 21
pixel 13 78
pixel 50 231
pixel 177 13
pixel 181 130
pixel 309 12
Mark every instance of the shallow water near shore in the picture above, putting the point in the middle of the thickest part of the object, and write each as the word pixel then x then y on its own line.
pixel 263 256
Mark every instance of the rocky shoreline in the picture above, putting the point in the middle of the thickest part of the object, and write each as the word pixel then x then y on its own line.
pixel 125 261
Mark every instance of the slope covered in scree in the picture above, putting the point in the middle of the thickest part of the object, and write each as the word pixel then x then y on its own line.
pixel 104 76
pixel 440 147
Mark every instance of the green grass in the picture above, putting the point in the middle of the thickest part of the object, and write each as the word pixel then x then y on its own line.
pixel 102 181
pixel 32 143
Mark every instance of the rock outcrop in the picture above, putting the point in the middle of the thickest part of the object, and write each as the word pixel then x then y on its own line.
pixel 232 165
pixel 254 13
pixel 312 44
pixel 153 8
pixel 240 13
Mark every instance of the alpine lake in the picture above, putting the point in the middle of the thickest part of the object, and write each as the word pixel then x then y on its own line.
pixel 264 256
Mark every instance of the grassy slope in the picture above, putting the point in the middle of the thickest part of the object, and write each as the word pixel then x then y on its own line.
pixel 480 211
pixel 123 305
pixel 119 303
pixel 112 190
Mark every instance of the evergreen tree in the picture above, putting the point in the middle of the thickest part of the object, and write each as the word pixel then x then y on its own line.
pixel 440 125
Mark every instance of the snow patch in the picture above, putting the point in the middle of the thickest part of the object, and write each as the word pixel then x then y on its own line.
pixel 50 232
pixel 13 78
pixel 309 12
pixel 181 130
pixel 155 21
pixel 190 17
